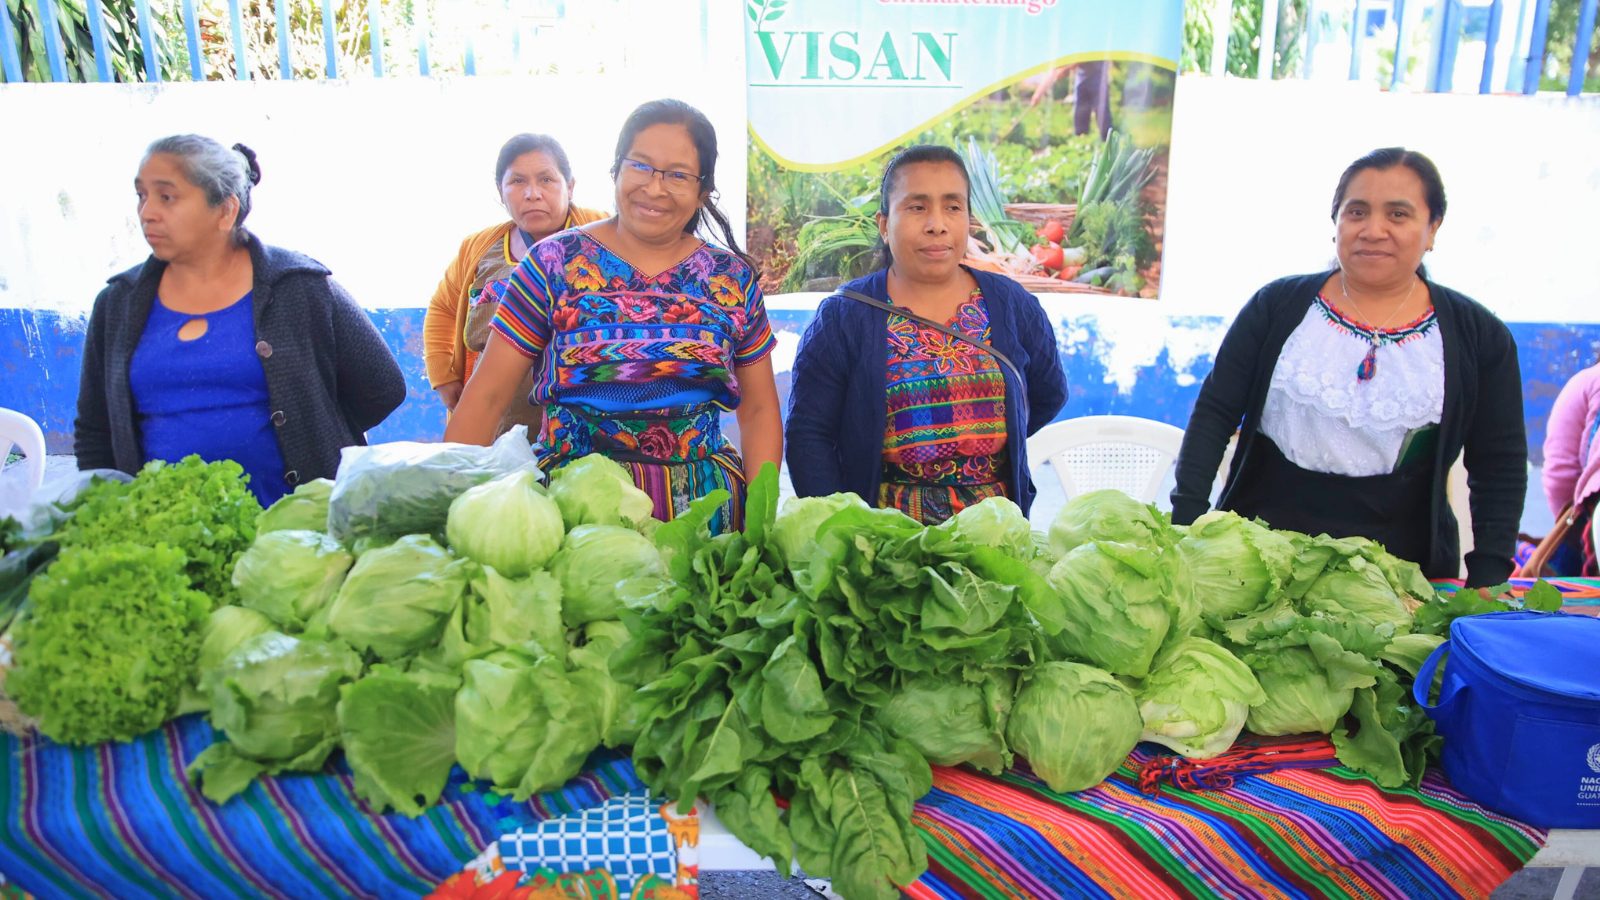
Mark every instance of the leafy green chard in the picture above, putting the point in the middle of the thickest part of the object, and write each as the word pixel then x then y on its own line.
pixel 791 659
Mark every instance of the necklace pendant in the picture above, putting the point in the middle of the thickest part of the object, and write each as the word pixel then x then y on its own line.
pixel 1369 364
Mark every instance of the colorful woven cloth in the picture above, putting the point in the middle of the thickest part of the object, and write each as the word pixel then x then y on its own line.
pixel 625 836
pixel 1291 833
pixel 120 820
pixel 1578 595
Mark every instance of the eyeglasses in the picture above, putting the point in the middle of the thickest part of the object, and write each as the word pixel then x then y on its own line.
pixel 676 182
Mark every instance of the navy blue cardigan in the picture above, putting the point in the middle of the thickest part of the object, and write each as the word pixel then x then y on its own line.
pixel 838 404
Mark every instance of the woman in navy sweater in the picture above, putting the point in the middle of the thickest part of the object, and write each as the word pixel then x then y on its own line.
pixel 905 414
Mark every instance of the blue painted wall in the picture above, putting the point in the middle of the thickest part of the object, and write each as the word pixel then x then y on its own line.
pixel 40 360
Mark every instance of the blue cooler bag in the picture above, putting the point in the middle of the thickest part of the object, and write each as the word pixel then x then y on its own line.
pixel 1519 710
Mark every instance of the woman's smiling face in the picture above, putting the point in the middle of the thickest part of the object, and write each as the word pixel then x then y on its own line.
pixel 651 205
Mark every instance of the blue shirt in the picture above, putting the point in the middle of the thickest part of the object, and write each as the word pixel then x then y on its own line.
pixel 207 396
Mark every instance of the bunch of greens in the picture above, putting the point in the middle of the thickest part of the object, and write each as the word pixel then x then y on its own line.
pixel 203 509
pixel 825 656
pixel 108 643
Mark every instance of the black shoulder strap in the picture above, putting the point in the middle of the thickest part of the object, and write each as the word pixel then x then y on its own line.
pixel 940 327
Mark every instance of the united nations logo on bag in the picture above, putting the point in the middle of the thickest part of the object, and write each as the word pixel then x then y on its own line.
pixel 1594 758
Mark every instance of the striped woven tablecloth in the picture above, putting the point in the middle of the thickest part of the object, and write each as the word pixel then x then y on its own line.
pixel 120 820
pixel 1291 833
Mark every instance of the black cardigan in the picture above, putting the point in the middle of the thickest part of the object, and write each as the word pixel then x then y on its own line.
pixel 1482 416
pixel 330 376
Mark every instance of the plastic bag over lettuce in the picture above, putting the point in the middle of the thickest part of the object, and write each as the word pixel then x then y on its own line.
pixel 405 487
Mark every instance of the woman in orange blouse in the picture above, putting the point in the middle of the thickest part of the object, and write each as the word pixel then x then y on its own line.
pixel 535 184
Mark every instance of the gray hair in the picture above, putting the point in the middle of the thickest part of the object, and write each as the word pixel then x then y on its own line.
pixel 220 171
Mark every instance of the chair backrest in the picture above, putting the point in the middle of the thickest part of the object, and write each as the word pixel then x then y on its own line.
pixel 1089 453
pixel 20 431
pixel 1455 492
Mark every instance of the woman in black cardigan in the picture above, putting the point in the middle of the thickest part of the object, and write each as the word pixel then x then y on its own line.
pixel 1354 390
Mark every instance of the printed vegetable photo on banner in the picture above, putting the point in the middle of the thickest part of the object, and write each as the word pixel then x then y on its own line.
pixel 1061 110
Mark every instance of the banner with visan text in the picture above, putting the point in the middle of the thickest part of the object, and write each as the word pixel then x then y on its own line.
pixel 1061 109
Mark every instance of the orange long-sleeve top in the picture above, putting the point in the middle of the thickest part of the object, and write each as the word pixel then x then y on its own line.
pixel 444 347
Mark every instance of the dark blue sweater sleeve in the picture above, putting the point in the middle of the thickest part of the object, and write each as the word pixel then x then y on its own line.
pixel 816 401
pixel 1047 381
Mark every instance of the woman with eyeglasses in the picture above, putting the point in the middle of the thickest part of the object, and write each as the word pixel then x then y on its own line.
pixel 640 334
pixel 534 181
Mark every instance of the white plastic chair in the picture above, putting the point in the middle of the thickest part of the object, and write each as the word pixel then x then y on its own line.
pixel 1130 454
pixel 16 488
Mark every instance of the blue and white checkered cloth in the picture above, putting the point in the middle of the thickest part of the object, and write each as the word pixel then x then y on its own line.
pixel 624 835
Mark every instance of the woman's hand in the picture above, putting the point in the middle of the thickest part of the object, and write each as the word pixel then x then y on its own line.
pixel 760 425
pixel 488 394
pixel 450 393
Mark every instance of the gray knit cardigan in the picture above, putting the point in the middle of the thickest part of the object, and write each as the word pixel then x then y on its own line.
pixel 330 376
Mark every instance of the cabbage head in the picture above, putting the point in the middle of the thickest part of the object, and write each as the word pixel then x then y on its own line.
pixel 304 510
pixel 595 490
pixel 592 563
pixel 396 599
pixel 1117 605
pixel 507 523
pixel 290 575
pixel 522 723
pixel 276 698
pixel 1357 589
pixel 1197 698
pixel 996 522
pixel 225 629
pixel 795 531
pixel 1109 515
pixel 1301 696
pixel 951 721
pixel 1236 564
pixel 1074 724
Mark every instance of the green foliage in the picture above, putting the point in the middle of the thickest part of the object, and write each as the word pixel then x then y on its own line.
pixel 203 509
pixel 1244 40
pixel 108 643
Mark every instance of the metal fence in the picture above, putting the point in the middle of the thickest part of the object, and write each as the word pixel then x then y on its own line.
pixel 1522 25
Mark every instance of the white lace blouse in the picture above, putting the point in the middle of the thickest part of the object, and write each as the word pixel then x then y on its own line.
pixel 1325 418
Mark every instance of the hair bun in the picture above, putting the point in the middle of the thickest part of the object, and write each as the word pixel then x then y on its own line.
pixel 250 162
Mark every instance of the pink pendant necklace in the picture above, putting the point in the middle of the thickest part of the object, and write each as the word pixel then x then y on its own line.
pixel 1368 366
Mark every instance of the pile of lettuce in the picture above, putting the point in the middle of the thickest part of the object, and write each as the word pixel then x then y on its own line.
pixel 1228 625
pixel 485 642
pixel 107 633
pixel 828 655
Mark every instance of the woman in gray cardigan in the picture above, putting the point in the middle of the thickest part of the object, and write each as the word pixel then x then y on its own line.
pixel 221 346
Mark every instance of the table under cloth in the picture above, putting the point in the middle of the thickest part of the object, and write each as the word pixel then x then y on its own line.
pixel 120 820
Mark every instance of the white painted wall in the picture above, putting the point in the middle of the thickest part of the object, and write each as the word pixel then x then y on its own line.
pixel 382 179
